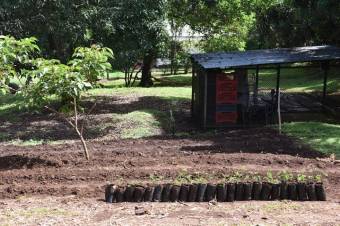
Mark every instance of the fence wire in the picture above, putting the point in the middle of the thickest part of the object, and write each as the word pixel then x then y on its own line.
pixel 301 90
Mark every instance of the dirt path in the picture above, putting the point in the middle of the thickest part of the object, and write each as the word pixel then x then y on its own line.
pixel 61 170
pixel 75 211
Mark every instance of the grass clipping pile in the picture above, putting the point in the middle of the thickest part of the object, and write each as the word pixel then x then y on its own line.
pixel 228 192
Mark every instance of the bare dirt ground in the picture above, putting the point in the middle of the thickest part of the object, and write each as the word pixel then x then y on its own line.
pixel 54 185
pixel 62 170
pixel 74 211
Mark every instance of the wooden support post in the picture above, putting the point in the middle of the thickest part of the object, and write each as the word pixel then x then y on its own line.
pixel 205 99
pixel 279 110
pixel 278 78
pixel 325 68
pixel 193 87
pixel 256 91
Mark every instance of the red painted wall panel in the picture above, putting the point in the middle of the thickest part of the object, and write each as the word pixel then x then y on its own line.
pixel 226 90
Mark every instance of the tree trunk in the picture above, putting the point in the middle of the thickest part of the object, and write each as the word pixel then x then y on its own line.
pixel 146 80
pixel 56 50
pixel 83 142
pixel 51 45
pixel 186 67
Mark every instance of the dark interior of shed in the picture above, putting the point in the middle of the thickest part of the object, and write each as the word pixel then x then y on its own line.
pixel 228 89
pixel 236 97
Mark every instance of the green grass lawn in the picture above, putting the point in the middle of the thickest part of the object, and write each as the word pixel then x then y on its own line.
pixel 10 105
pixel 323 137
pixel 300 80
pixel 146 121
pixel 175 87
pixel 174 93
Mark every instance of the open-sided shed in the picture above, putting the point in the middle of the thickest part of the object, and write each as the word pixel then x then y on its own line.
pixel 222 94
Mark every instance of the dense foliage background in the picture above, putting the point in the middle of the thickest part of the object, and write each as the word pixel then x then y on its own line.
pixel 139 31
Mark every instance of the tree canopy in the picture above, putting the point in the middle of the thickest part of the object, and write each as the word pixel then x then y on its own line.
pixel 224 24
pixel 136 30
pixel 60 25
pixel 299 23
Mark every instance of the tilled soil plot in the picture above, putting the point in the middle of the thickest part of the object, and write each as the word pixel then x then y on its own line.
pixel 62 170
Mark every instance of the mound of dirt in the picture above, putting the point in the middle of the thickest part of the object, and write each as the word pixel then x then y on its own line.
pixel 25 162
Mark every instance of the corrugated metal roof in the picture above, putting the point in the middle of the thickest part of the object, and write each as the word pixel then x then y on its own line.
pixel 224 60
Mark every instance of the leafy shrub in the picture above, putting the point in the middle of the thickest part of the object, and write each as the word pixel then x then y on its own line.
pixel 12 53
pixel 91 62
pixel 53 78
pixel 50 77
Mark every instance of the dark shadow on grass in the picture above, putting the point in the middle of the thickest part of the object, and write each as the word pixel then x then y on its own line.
pixel 322 136
pixel 159 81
pixel 174 81
pixel 47 126
pixel 10 104
pixel 255 140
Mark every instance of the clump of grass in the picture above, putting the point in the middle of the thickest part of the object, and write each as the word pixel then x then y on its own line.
pixel 139 124
pixel 31 142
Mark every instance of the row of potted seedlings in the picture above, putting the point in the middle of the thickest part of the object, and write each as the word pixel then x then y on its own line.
pixel 228 192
